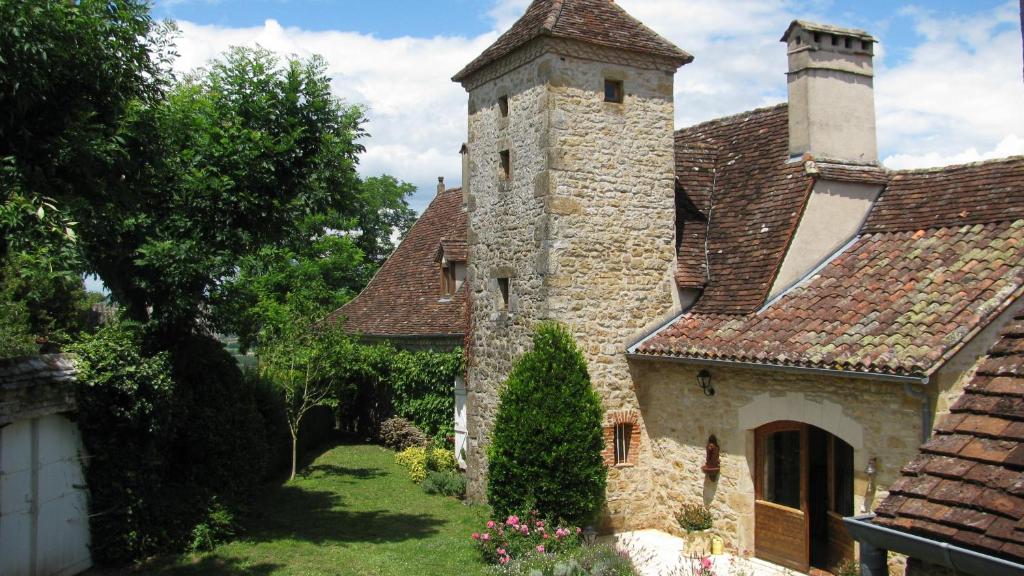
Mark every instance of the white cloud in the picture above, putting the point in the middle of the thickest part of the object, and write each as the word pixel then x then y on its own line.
pixel 958 93
pixel 417 115
pixel 1011 145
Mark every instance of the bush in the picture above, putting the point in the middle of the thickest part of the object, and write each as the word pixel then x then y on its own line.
pixel 445 484
pixel 518 537
pixel 441 460
pixel 584 561
pixel 218 526
pixel 399 434
pixel 546 446
pixel 419 460
pixel 694 518
pixel 414 460
pixel 127 414
pixel 379 382
pixel 175 440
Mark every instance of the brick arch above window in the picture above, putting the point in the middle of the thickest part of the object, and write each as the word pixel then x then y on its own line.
pixel 622 438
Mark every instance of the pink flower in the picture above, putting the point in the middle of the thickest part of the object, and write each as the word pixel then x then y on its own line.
pixel 490 523
pixel 540 523
pixel 545 536
pixel 524 529
pixel 500 551
pixel 512 520
pixel 540 549
pixel 503 560
pixel 578 529
pixel 476 536
pixel 705 562
pixel 485 536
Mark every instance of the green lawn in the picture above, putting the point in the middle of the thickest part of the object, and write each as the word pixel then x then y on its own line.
pixel 353 511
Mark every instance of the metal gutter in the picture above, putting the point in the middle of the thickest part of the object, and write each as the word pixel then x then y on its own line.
pixel 921 380
pixel 961 560
pixel 926 409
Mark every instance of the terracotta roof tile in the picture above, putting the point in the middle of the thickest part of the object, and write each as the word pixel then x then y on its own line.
pixel 736 171
pixel 977 193
pixel 970 490
pixel 600 22
pixel 403 298
pixel 893 303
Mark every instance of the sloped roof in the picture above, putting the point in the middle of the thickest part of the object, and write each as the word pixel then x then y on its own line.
pixel 404 297
pixel 939 255
pixel 758 198
pixel 967 485
pixel 600 22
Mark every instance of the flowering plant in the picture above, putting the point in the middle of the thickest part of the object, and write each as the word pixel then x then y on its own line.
pixel 516 537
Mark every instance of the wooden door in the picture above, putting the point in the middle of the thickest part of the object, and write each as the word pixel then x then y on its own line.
pixel 781 527
pixel 840 502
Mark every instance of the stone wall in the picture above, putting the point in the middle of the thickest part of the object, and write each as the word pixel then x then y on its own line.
pixel 583 228
pixel 875 417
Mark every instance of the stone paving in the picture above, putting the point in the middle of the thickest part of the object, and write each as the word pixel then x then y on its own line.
pixel 657 553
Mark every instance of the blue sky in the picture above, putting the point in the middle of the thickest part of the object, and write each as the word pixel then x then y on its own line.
pixel 948 83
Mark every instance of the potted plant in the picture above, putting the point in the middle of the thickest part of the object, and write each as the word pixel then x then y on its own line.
pixel 695 521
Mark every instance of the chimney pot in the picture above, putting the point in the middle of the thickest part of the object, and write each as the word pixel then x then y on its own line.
pixel 831 93
pixel 440 184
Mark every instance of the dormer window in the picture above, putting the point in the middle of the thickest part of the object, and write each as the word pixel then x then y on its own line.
pixel 451 260
pixel 613 91
pixel 448 283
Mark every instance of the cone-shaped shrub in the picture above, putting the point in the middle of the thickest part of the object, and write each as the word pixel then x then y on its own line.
pixel 545 452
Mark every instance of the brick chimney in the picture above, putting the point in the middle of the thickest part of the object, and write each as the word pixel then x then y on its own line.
pixel 831 93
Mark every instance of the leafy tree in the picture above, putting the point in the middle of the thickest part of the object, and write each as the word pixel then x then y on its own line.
pixel 299 361
pixel 545 451
pixel 382 216
pixel 68 71
pixel 234 159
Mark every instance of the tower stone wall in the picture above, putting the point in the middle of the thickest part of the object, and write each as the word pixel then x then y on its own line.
pixel 582 227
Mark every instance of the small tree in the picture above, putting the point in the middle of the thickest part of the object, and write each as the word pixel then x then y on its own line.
pixel 546 447
pixel 298 360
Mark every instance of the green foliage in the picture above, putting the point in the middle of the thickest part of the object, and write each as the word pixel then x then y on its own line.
pixel 419 460
pixel 583 561
pixel 694 518
pixel 68 71
pixel 414 460
pixel 398 434
pixel 236 157
pixel 221 449
pixel 174 437
pixel 218 526
pixel 16 338
pixel 127 415
pixel 448 483
pixel 54 302
pixel 379 381
pixel 545 451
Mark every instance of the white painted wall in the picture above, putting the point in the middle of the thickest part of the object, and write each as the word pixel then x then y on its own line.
pixel 460 420
pixel 44 520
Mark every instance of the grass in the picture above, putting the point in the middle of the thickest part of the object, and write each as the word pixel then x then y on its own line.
pixel 351 511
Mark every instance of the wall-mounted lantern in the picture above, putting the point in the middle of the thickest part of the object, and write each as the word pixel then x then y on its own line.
pixel 704 379
pixel 712 459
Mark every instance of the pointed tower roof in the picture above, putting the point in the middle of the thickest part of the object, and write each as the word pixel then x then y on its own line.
pixel 600 22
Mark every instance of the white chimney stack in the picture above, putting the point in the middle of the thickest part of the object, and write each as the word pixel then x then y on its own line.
pixel 831 93
pixel 440 185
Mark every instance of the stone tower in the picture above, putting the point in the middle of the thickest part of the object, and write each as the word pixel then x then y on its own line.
pixel 571 209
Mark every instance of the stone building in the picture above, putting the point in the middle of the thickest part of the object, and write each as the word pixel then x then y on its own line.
pixel 757 287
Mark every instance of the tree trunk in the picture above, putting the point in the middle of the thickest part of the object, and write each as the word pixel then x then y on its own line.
pixel 295 449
